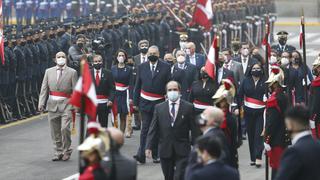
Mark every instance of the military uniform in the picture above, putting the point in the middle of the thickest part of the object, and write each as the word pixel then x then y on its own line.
pixel 282 47
pixel 314 102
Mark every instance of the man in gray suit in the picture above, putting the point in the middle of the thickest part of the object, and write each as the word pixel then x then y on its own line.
pixel 58 83
pixel 233 66
pixel 142 57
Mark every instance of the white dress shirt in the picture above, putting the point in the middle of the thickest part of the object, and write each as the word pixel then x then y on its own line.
pixel 176 108
pixel 181 66
pixel 299 136
pixel 220 74
pixel 144 58
pixel 192 59
pixel 244 62
pixel 155 66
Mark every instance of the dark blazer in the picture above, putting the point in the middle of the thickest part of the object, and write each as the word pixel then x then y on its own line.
pixel 216 170
pixel 200 60
pixel 187 77
pixel 172 139
pixel 106 86
pixel 155 84
pixel 226 73
pixel 251 62
pixel 301 161
pixel 126 169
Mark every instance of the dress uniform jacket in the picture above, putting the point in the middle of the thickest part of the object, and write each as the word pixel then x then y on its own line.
pixel 280 49
pixel 314 105
pixel 21 63
pixel 275 130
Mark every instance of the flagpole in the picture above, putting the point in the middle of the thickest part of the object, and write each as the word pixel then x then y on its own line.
pixel 266 91
pixel 304 58
pixel 82 114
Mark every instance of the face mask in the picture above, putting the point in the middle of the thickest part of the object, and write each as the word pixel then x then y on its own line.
pixel 245 52
pixel 52 36
pixel 182 45
pixel 170 62
pixel 204 75
pixel 284 62
pixel 29 41
pixel 120 59
pixel 153 58
pixel 181 59
pixel 296 61
pixel 14 43
pixel 315 72
pixel 36 40
pixel 60 33
pixel 45 37
pixel 256 73
pixel 61 61
pixel 23 43
pixel 144 50
pixel 188 52
pixel 80 45
pixel 97 66
pixel 173 95
pixel 282 41
pixel 273 60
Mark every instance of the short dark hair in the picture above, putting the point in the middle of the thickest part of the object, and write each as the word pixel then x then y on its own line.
pixel 81 36
pixel 299 114
pixel 211 144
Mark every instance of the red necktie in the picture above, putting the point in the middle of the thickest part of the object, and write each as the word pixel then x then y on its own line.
pixel 97 78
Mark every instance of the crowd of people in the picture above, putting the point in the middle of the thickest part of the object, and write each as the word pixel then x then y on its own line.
pixel 149 66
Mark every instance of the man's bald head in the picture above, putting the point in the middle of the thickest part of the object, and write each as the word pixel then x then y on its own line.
pixel 116 135
pixel 214 116
pixel 60 54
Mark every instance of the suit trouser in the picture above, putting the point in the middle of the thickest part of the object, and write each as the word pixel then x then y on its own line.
pixel 137 119
pixel 254 125
pixel 173 168
pixel 59 123
pixel 146 118
pixel 102 113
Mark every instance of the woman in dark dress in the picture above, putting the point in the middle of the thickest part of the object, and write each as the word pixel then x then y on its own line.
pixel 122 75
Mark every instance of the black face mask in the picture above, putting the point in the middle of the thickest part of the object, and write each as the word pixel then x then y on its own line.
pixel 14 43
pixel 296 61
pixel 144 50
pixel 97 66
pixel 153 58
pixel 60 33
pixel 45 37
pixel 282 41
pixel 204 75
pixel 170 62
pixel 80 45
pixel 29 41
pixel 256 73
pixel 52 36
pixel 23 43
pixel 36 40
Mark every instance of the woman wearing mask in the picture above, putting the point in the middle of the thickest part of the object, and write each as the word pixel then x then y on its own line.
pixel 202 91
pixel 122 75
pixel 251 94
pixel 297 63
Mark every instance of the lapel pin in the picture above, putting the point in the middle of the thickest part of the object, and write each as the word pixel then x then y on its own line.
pixel 157 70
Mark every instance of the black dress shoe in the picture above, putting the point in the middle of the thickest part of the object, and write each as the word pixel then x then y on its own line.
pixel 156 160
pixel 140 160
pixel 57 157
pixel 252 163
pixel 136 128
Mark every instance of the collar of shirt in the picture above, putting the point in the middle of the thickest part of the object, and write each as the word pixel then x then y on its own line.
pixel 211 161
pixel 63 67
pixel 182 66
pixel 299 136
pixel 144 58
pixel 207 130
pixel 244 58
pixel 155 65
pixel 95 73
pixel 176 106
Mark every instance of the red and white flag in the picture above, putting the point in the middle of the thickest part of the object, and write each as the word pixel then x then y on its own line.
pixel 267 39
pixel 301 32
pixel 210 66
pixel 203 14
pixel 85 91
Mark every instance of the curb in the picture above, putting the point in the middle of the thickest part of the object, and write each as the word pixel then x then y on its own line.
pixel 296 23
pixel 38 117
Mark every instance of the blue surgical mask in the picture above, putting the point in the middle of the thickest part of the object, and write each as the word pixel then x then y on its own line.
pixel 173 95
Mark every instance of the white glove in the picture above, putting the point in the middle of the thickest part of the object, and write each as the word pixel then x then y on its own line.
pixel 312 124
pixel 267 147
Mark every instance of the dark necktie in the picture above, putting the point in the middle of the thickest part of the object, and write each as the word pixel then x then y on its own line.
pixel 97 78
pixel 60 75
pixel 173 113
pixel 152 70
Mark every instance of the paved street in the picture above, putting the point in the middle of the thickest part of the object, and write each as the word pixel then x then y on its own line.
pixel 26 152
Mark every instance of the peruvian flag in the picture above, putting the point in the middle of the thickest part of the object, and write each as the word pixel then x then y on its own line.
pixel 301 32
pixel 203 14
pixel 211 59
pixel 267 40
pixel 84 92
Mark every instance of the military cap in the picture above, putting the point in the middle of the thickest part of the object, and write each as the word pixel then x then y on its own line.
pixel 282 34
pixel 20 36
pixel 12 37
pixel 183 36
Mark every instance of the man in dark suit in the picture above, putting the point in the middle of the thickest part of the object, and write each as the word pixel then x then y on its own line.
pixel 143 46
pixel 125 168
pixel 209 149
pixel 193 57
pixel 172 121
pixel 189 74
pixel 151 80
pixel 282 46
pixel 221 71
pixel 301 160
pixel 105 89
pixel 245 59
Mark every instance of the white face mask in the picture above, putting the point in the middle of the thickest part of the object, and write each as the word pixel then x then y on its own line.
pixel 284 62
pixel 181 59
pixel 188 52
pixel 245 52
pixel 182 45
pixel 273 60
pixel 120 59
pixel 173 95
pixel 61 61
